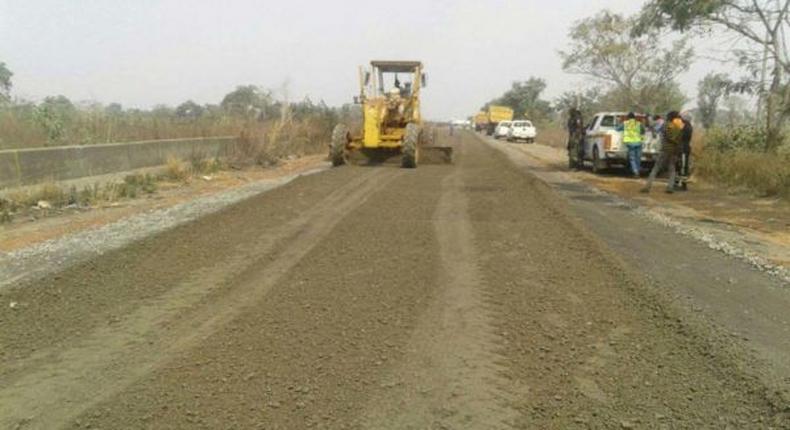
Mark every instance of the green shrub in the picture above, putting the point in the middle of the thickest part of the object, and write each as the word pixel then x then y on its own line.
pixel 744 138
pixel 766 174
pixel 736 157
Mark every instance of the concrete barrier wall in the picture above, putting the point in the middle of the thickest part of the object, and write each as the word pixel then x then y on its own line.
pixel 31 166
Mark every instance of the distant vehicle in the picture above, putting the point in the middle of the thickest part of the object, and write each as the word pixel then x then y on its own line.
pixel 502 129
pixel 603 144
pixel 495 115
pixel 522 130
pixel 481 121
pixel 461 124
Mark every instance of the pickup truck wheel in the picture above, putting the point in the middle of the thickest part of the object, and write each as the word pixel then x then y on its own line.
pixel 598 165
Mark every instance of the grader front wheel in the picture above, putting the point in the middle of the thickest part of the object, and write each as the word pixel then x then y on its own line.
pixel 409 150
pixel 337 150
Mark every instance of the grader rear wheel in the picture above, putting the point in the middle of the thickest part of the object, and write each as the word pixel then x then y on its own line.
pixel 337 151
pixel 409 150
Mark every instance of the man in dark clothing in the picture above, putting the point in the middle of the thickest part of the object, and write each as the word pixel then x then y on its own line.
pixel 575 139
pixel 685 151
pixel 670 151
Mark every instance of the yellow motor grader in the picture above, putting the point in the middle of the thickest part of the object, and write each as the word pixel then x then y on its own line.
pixel 392 125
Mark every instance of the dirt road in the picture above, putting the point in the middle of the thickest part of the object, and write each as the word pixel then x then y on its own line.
pixel 446 297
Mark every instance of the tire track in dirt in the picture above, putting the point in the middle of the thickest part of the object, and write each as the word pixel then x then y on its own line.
pixel 316 347
pixel 53 386
pixel 584 333
pixel 450 378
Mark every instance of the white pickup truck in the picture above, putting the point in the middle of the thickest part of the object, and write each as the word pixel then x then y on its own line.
pixel 522 130
pixel 603 144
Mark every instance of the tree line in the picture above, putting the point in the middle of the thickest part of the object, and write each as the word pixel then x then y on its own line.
pixel 634 63
pixel 57 120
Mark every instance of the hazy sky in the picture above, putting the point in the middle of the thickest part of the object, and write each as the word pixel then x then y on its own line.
pixel 145 52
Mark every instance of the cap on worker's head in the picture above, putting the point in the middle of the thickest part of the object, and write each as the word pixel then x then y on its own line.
pixel 631 115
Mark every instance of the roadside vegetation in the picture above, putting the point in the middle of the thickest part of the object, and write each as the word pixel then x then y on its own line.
pixel 634 62
pixel 42 200
pixel 248 111
pixel 735 157
pixel 268 130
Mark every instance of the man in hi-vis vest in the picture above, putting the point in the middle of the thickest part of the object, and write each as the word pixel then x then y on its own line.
pixel 633 136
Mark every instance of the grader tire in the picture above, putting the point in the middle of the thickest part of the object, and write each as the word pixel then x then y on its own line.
pixel 337 151
pixel 409 150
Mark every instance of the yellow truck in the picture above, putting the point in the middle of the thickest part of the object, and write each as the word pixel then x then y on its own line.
pixel 480 120
pixel 495 115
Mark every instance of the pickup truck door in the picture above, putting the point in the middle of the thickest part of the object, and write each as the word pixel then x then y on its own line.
pixel 599 133
pixel 590 137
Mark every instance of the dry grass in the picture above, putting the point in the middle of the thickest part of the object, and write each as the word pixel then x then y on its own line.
pixel 553 135
pixel 734 158
pixel 51 196
pixel 176 169
pixel 266 146
pixel 261 143
pixel 19 130
pixel 764 174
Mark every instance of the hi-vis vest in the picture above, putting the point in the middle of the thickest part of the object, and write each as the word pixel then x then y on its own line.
pixel 632 132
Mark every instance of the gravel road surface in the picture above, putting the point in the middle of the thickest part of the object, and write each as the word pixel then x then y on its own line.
pixel 471 296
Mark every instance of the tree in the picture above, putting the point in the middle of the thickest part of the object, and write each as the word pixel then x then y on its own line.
pixel 588 102
pixel 248 100
pixel 114 109
pixel 668 98
pixel 162 111
pixel 639 67
pixel 761 26
pixel 524 98
pixel 710 90
pixel 189 109
pixel 736 113
pixel 54 115
pixel 5 83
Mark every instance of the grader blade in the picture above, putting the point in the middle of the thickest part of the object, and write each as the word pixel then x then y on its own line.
pixel 426 155
pixel 374 157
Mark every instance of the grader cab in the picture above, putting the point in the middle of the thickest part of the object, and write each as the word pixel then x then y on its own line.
pixel 392 125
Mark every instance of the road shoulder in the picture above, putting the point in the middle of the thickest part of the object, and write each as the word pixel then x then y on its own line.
pixel 752 229
pixel 35 248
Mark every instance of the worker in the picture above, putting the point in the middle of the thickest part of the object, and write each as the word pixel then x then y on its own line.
pixel 672 138
pixel 658 126
pixel 633 135
pixel 684 160
pixel 406 92
pixel 575 138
